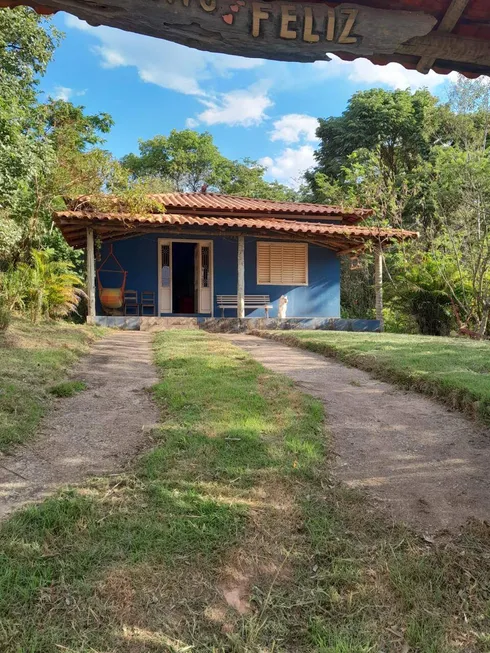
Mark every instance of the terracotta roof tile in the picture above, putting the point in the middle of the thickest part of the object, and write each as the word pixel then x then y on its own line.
pixel 205 203
pixel 344 234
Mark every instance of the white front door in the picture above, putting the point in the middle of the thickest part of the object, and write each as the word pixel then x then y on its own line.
pixel 203 275
pixel 165 276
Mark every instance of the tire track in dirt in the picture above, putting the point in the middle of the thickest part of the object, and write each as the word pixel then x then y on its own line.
pixel 425 465
pixel 92 433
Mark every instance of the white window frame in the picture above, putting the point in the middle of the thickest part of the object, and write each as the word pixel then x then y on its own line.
pixel 273 283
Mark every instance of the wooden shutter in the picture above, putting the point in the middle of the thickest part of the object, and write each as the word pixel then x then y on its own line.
pixel 300 270
pixel 263 263
pixel 282 264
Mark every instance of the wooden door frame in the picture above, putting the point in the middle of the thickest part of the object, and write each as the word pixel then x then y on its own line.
pixel 170 241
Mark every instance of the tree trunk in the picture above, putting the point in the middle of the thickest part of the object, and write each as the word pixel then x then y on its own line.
pixel 484 319
pixel 378 284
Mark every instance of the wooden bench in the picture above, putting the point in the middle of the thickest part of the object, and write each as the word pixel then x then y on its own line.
pixel 251 301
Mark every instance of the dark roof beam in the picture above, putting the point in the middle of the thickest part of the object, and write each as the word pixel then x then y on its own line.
pixel 447 24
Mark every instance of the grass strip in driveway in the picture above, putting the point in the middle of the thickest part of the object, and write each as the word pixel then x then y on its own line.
pixel 229 536
pixel 453 370
pixel 33 359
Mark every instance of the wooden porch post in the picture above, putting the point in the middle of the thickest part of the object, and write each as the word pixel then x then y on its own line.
pixel 241 278
pixel 90 275
pixel 378 283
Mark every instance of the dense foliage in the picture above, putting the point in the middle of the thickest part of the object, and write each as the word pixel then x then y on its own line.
pixel 420 164
pixel 51 150
pixel 189 161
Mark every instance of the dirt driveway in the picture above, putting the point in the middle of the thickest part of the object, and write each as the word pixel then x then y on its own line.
pixel 96 431
pixel 426 466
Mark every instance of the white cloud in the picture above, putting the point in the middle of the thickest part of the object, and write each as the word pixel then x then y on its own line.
pixel 363 71
pixel 66 93
pixel 245 107
pixel 169 65
pixel 290 165
pixel 191 123
pixel 295 127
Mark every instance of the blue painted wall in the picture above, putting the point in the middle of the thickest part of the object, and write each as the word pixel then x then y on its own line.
pixel 321 298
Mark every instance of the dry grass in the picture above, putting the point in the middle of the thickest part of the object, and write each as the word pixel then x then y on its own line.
pixel 231 537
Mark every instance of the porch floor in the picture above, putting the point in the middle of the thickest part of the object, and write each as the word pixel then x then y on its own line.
pixel 233 324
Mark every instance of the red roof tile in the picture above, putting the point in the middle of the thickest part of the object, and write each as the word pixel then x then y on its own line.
pixel 342 235
pixel 212 203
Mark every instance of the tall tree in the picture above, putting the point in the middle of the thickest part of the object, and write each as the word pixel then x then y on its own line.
pixel 27 43
pixel 188 160
pixel 400 124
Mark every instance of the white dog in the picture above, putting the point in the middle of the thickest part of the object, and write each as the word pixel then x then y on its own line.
pixel 283 307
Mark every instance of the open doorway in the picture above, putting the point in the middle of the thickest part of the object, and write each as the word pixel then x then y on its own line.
pixel 184 278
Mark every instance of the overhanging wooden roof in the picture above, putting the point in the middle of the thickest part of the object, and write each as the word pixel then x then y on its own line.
pixel 443 35
pixel 341 238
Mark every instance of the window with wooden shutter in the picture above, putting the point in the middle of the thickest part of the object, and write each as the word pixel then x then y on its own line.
pixel 282 264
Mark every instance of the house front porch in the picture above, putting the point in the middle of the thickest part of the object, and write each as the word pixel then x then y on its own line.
pixel 222 262
pixel 233 325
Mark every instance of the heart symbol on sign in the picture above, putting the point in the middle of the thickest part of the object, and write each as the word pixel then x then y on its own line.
pixel 234 8
pixel 228 18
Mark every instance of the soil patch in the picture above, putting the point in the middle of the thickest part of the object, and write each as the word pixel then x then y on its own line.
pixel 93 432
pixel 424 464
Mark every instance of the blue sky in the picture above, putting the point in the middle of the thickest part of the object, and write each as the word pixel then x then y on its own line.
pixel 264 110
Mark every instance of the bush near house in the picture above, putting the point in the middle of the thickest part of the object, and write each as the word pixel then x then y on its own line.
pixel 43 288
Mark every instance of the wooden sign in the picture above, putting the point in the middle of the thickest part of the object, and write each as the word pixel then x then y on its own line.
pixel 294 31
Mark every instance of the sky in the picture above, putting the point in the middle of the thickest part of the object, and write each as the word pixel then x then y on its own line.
pixel 257 109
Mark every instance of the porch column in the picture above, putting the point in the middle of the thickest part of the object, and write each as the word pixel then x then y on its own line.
pixel 241 278
pixel 90 276
pixel 378 283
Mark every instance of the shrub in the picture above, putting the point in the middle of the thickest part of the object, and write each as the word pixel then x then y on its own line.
pixel 4 316
pixel 67 388
pixel 432 312
pixel 53 288
pixel 10 238
pixel 14 287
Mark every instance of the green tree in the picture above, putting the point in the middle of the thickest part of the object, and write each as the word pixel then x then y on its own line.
pixel 77 165
pixel 422 165
pixel 400 124
pixel 188 160
pixel 27 43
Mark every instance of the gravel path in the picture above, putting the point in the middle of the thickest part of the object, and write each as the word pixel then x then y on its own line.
pixel 427 466
pixel 93 432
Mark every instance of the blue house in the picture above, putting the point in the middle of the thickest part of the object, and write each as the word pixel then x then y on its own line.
pixel 199 255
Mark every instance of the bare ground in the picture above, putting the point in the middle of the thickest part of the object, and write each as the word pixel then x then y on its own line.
pixel 424 464
pixel 94 432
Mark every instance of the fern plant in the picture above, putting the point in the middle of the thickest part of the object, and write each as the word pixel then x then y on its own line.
pixel 53 289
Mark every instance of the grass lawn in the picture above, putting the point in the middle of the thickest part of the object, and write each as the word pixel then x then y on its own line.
pixel 230 537
pixel 455 370
pixel 33 361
